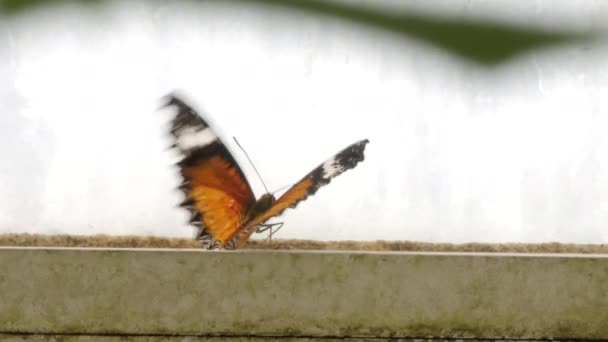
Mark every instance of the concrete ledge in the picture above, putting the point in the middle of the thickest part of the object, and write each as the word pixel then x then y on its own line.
pixel 115 338
pixel 175 293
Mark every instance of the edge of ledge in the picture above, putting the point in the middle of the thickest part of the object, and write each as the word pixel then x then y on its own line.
pixel 308 251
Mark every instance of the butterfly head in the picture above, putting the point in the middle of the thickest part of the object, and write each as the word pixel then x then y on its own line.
pixel 261 205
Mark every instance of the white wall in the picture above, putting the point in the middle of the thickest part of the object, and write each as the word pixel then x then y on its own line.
pixel 457 153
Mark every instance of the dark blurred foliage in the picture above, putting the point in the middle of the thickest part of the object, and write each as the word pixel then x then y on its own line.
pixel 485 42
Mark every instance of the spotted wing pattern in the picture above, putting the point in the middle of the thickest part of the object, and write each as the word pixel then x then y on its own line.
pixel 320 176
pixel 216 192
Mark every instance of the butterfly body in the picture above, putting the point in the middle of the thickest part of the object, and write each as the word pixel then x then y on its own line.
pixel 264 203
pixel 217 194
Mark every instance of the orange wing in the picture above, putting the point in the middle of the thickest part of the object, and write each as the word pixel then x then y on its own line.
pixel 320 176
pixel 216 191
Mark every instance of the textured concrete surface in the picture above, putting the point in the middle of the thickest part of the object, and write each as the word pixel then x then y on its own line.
pixel 98 338
pixel 174 293
pixel 63 338
pixel 134 241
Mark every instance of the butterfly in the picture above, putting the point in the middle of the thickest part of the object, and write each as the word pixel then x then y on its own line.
pixel 220 201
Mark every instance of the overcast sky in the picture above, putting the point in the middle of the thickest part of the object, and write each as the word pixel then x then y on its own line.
pixel 457 153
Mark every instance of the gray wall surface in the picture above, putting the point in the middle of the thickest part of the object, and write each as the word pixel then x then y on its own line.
pixel 195 294
pixel 457 153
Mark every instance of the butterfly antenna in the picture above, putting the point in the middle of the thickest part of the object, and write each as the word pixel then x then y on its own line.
pixel 281 188
pixel 250 162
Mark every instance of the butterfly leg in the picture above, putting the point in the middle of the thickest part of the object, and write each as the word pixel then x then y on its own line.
pixel 269 226
pixel 230 245
pixel 212 244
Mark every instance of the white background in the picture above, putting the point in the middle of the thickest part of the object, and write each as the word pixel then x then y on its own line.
pixel 458 152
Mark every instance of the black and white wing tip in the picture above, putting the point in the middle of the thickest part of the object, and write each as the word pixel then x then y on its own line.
pixel 189 130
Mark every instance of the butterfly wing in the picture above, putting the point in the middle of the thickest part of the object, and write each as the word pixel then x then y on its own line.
pixel 307 186
pixel 216 191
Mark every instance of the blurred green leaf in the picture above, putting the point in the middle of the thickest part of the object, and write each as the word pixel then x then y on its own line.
pixel 11 7
pixel 483 42
pixel 487 43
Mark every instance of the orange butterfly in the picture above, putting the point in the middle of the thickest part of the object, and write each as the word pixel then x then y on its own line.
pixel 220 200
